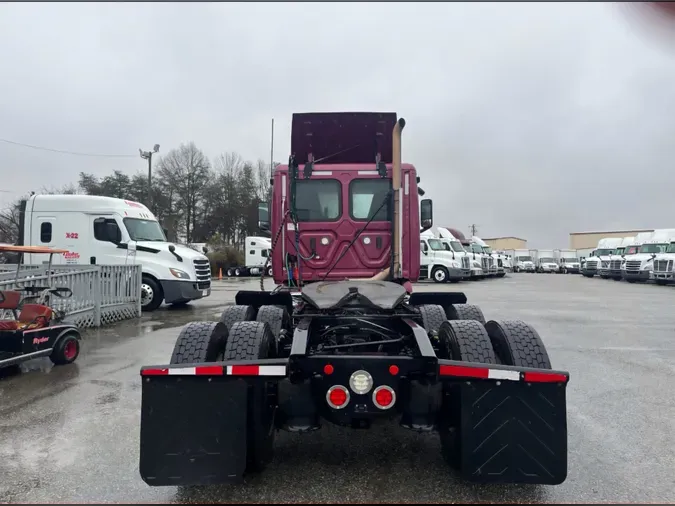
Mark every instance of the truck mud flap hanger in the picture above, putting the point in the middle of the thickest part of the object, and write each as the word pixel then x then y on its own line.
pixel 195 419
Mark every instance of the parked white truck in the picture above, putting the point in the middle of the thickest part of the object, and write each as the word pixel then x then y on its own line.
pixel 110 231
pixel 476 269
pixel 640 266
pixel 522 261
pixel 453 244
pixel 257 251
pixel 567 260
pixel 598 262
pixel 664 266
pixel 437 262
pixel 494 269
pixel 546 261
pixel 616 259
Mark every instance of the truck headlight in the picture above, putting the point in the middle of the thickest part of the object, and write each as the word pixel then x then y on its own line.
pixel 177 273
pixel 455 265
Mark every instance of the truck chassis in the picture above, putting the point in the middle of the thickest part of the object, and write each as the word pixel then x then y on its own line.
pixel 353 353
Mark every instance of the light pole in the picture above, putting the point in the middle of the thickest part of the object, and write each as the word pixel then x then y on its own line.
pixel 147 155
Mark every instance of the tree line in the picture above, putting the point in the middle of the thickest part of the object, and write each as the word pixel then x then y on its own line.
pixel 196 199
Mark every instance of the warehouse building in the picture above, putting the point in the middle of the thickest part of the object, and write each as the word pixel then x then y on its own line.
pixel 503 243
pixel 584 240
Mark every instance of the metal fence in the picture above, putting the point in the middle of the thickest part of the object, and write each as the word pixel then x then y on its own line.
pixel 102 294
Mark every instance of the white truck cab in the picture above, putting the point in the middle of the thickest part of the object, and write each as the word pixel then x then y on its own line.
pixel 522 261
pixel 616 259
pixel 110 231
pixel 546 261
pixel 664 266
pixel 640 266
pixel 598 262
pixel 452 244
pixel 437 262
pixel 488 258
pixel 257 251
pixel 568 261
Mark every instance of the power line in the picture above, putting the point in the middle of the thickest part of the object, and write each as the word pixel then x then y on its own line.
pixel 41 148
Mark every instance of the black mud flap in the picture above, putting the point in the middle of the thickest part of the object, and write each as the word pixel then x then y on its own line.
pixel 513 432
pixel 193 430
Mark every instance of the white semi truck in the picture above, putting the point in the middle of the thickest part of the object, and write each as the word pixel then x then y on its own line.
pixel 437 262
pixel 546 261
pixel 522 261
pixel 475 265
pixel 598 262
pixel 108 231
pixel 640 266
pixel 664 266
pixel 616 259
pixel 453 244
pixel 567 260
pixel 257 252
pixel 494 267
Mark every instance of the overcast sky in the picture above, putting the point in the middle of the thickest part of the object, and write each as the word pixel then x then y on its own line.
pixel 533 120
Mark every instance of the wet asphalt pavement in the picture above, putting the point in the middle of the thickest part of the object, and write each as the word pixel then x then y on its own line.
pixel 71 434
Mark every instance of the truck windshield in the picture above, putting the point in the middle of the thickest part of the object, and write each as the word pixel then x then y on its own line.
pixel 366 197
pixel 603 252
pixel 476 248
pixel 631 250
pixel 619 251
pixel 547 260
pixel 318 199
pixel 436 245
pixel 569 260
pixel 486 249
pixel 671 248
pixel 457 246
pixel 144 230
pixel 653 248
pixel 525 259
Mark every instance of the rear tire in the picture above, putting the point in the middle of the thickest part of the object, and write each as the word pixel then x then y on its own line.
pixel 467 341
pixel 67 349
pixel 253 341
pixel 465 312
pixel 236 313
pixel 432 316
pixel 517 343
pixel 277 318
pixel 200 342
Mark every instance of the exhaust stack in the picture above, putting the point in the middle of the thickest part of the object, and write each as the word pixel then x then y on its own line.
pixel 397 243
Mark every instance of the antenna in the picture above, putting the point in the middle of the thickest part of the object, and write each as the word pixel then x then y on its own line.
pixel 272 151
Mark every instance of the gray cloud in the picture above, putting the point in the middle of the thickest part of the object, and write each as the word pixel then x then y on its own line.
pixel 528 119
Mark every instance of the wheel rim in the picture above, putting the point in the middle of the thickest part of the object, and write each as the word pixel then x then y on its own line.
pixel 440 275
pixel 70 350
pixel 147 294
pixel 237 272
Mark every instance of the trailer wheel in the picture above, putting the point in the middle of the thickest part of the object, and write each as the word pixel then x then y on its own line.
pixel 200 342
pixel 467 341
pixel 237 272
pixel 236 313
pixel 517 343
pixel 277 318
pixel 229 272
pixel 269 271
pixel 465 312
pixel 432 316
pixel 67 350
pixel 253 341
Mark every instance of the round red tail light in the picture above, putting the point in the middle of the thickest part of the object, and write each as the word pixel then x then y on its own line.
pixel 337 397
pixel 384 397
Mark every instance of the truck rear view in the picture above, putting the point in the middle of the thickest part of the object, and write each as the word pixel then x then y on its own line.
pixel 352 352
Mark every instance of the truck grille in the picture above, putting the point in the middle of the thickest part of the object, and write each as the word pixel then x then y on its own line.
pixel 615 265
pixel 591 265
pixel 633 265
pixel 203 271
pixel 484 263
pixel 604 264
pixel 465 262
pixel 663 265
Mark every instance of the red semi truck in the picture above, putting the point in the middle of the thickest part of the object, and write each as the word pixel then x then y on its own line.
pixel 352 352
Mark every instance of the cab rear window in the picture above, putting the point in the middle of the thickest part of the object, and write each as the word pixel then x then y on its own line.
pixel 318 199
pixel 366 197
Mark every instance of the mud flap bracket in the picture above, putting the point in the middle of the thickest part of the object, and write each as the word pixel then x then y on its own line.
pixel 193 430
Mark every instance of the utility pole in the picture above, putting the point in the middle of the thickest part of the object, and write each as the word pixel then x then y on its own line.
pixel 473 229
pixel 147 155
pixel 272 152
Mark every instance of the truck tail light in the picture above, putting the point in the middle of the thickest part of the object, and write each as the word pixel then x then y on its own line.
pixel 337 397
pixel 384 397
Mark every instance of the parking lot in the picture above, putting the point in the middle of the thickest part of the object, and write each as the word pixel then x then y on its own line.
pixel 71 434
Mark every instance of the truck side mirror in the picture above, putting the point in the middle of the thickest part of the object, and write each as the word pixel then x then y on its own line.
pixel 113 233
pixel 426 214
pixel 264 216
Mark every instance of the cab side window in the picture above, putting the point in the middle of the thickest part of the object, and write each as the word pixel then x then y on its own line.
pixel 425 248
pixel 100 228
pixel 46 232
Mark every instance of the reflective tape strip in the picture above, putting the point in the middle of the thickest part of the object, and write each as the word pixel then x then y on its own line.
pixel 256 370
pixel 501 374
